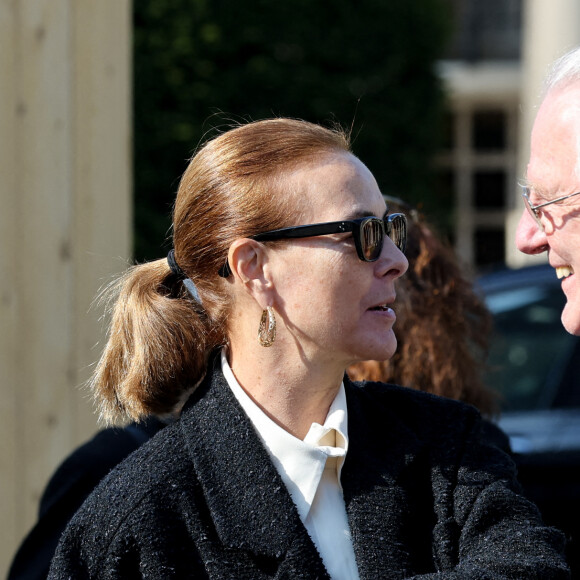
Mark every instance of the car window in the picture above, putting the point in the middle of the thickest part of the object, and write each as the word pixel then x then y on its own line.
pixel 530 349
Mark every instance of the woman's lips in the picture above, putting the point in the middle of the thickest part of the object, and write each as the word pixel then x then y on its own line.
pixel 380 307
pixel 384 311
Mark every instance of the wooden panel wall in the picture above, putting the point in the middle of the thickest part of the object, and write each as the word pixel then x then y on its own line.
pixel 65 223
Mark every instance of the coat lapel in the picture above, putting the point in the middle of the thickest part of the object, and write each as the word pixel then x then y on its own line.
pixel 248 501
pixel 386 491
pixel 253 512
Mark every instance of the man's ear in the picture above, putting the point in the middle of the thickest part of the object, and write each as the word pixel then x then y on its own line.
pixel 248 263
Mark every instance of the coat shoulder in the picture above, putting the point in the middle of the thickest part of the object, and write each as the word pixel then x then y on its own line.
pixel 145 485
pixel 418 409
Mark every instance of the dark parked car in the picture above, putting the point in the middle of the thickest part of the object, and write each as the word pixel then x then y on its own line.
pixel 535 365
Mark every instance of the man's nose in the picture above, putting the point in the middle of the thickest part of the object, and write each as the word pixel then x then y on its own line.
pixel 530 237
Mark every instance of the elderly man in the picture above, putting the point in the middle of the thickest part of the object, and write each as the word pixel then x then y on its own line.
pixel 551 191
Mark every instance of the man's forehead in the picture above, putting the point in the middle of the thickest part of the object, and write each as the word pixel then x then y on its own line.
pixel 554 156
pixel 562 103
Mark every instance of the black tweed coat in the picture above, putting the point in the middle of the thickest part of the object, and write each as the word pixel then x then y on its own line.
pixel 424 496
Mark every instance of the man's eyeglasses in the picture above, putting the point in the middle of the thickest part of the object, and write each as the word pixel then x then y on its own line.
pixel 533 209
pixel 369 235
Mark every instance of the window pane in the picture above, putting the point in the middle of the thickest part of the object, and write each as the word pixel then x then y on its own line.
pixel 489 189
pixel 489 246
pixel 485 30
pixel 489 131
pixel 448 128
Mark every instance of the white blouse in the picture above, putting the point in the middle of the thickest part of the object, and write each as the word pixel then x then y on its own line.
pixel 311 470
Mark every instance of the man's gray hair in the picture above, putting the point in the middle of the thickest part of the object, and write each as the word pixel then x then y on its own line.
pixel 563 72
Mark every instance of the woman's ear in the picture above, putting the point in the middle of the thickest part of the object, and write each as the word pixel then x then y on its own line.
pixel 248 260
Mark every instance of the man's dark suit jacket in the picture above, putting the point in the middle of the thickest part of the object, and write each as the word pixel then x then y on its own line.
pixel 424 497
pixel 69 486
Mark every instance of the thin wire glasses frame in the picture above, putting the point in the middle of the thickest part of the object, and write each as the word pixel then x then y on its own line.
pixel 369 234
pixel 533 209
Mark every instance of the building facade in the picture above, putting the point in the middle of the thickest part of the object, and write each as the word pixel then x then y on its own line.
pixel 493 73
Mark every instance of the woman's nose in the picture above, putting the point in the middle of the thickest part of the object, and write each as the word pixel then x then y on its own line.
pixel 530 237
pixel 392 261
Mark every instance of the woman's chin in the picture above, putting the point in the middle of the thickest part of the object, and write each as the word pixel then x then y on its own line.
pixel 381 350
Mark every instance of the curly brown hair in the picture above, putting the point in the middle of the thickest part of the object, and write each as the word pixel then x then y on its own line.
pixel 442 327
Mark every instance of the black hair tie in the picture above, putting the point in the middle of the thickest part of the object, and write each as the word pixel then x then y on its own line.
pixel 182 276
pixel 174 266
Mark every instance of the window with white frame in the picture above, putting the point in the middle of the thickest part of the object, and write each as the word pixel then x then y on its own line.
pixel 479 166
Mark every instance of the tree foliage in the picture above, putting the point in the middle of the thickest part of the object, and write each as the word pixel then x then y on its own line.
pixel 367 64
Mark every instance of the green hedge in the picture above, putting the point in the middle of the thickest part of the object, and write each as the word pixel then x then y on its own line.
pixel 199 64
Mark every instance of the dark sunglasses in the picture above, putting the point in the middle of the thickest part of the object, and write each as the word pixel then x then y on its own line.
pixel 369 235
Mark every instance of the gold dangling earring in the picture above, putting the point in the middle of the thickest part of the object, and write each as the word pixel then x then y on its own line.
pixel 267 328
